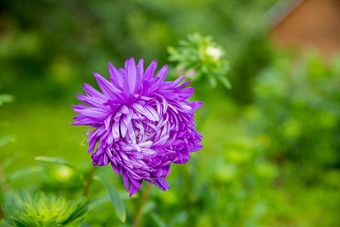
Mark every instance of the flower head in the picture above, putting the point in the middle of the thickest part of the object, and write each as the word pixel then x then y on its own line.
pixel 141 123
pixel 201 59
pixel 214 52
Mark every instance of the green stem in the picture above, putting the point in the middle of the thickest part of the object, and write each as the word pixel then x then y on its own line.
pixel 1 213
pixel 88 181
pixel 145 197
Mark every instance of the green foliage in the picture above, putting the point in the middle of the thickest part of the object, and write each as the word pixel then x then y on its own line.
pixel 271 150
pixel 54 160
pixel 255 55
pixel 5 98
pixel 227 187
pixel 116 199
pixel 5 140
pixel 296 121
pixel 41 210
pixel 24 173
pixel 200 59
pixel 61 172
pixel 297 111
pixel 46 58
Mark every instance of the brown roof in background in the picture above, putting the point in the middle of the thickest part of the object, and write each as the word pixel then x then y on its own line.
pixel 309 23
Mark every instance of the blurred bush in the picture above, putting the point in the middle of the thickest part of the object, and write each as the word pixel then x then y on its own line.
pixel 41 59
pixel 295 118
pixel 296 112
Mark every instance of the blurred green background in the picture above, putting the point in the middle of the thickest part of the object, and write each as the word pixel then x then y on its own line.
pixel 271 147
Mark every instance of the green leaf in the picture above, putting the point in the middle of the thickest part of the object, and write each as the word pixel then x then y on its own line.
pixel 98 201
pixel 27 171
pixel 225 82
pixel 172 51
pixel 116 199
pixel 5 98
pixel 83 142
pixel 93 203
pixel 212 81
pixel 5 140
pixel 54 160
pixel 25 196
pixel 148 207
pixel 79 212
pixel 180 218
pixel 84 224
pixel 9 161
pixel 158 220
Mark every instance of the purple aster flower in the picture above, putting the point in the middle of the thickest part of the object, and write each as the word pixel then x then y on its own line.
pixel 141 123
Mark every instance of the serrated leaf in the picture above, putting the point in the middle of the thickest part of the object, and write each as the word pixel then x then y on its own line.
pixel 21 209
pixel 199 53
pixel 79 212
pixel 38 200
pixel 25 196
pixel 54 160
pixel 117 202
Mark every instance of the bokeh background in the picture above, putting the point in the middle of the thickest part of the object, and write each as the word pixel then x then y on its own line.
pixel 271 149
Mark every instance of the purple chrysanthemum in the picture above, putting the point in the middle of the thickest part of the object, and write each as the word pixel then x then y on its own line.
pixel 142 123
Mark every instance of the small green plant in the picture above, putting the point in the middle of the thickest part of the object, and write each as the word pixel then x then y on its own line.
pixel 200 59
pixel 41 210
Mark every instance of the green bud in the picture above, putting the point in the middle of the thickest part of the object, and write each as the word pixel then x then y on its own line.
pixel 200 59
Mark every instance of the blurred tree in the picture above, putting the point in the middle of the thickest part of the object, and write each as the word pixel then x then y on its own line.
pixel 46 46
